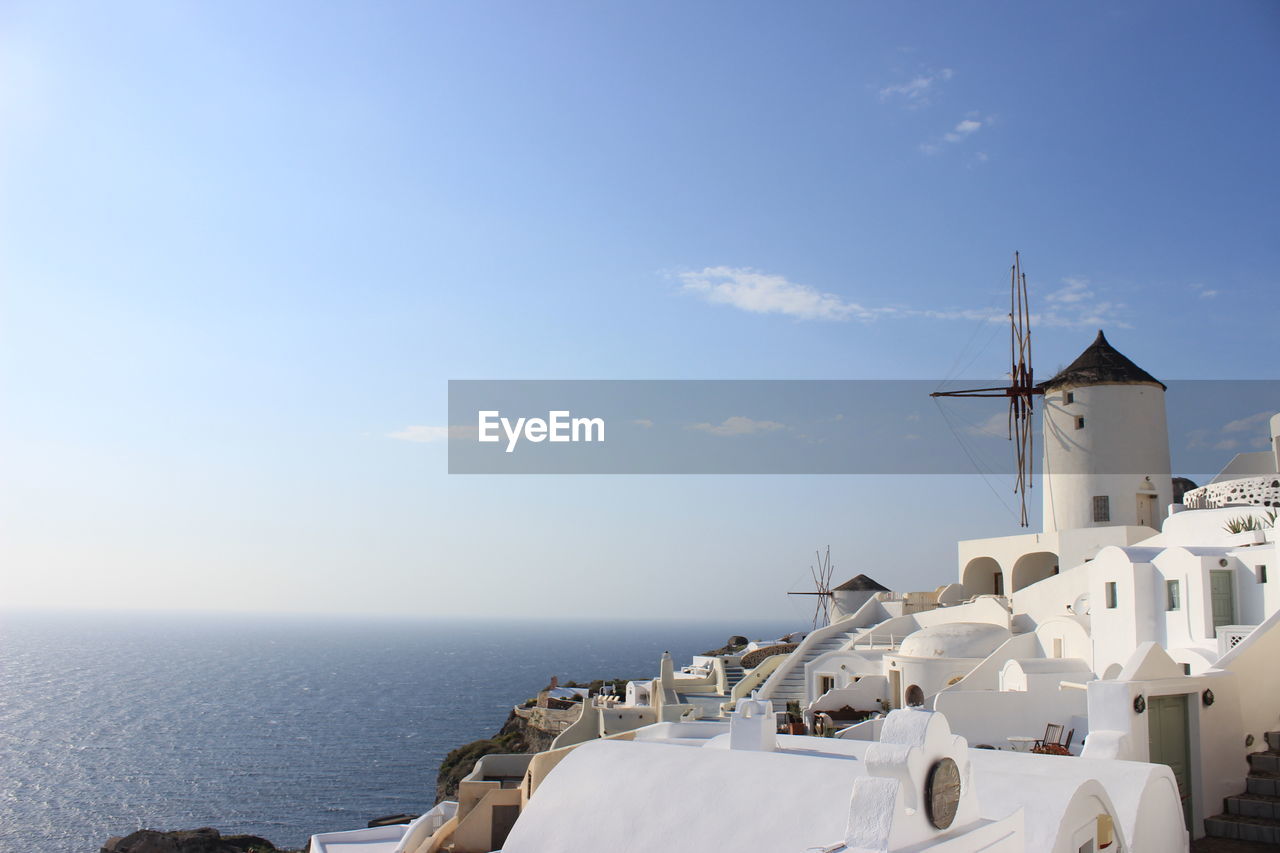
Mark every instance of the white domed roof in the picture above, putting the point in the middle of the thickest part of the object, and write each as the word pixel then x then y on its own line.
pixel 955 640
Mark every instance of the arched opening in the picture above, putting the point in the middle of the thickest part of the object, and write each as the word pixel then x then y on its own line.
pixel 1033 568
pixel 915 696
pixel 982 576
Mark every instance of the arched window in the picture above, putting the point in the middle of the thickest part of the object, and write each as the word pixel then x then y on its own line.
pixel 915 696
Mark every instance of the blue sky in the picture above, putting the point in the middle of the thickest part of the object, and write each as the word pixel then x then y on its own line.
pixel 242 245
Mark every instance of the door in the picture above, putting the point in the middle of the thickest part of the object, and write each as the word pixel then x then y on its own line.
pixel 504 817
pixel 1169 732
pixel 1147 510
pixel 1222 597
pixel 895 688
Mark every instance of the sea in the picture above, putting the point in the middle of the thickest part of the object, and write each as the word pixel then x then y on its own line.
pixel 276 725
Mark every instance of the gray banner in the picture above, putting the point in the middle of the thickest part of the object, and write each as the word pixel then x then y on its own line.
pixel 798 426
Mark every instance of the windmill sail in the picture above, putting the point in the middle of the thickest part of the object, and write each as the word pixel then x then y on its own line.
pixel 1021 390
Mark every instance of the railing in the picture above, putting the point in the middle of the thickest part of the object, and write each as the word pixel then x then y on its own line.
pixel 872 642
pixel 1254 491
pixel 1230 636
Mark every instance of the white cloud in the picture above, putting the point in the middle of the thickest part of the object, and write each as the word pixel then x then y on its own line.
pixel 739 425
pixel 1073 290
pixel 1208 294
pixel 1249 424
pixel 963 130
pixel 918 91
pixel 428 434
pixel 762 293
pixel 1255 427
pixel 995 426
pixel 644 422
pixel 1076 304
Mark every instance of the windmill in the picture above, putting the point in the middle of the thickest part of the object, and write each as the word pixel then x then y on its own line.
pixel 1021 390
pixel 822 589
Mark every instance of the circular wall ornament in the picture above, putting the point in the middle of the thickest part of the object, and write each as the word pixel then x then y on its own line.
pixel 942 793
pixel 1207 696
pixel 1140 703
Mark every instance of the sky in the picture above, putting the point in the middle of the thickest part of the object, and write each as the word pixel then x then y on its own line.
pixel 244 247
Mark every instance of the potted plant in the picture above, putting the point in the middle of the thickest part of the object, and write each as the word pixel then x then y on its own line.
pixel 795 720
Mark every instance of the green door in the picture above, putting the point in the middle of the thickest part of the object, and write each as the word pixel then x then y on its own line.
pixel 1224 602
pixel 1170 735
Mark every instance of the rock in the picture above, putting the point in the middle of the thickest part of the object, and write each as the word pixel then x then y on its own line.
pixel 393 820
pixel 204 840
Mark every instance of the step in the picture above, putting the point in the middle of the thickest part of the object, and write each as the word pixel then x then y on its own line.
pixel 1273 741
pixel 1243 828
pixel 1254 805
pixel 1267 784
pixel 1266 762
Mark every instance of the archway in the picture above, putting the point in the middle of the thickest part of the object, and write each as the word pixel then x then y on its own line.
pixel 1032 568
pixel 982 576
pixel 915 696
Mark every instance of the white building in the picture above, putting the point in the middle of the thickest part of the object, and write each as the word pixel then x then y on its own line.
pixel 1137 638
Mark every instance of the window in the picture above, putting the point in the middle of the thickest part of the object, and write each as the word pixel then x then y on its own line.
pixel 1173 595
pixel 1102 508
pixel 1186 669
pixel 1262 573
pixel 1057 647
pixel 1080 423
pixel 1068 398
pixel 1111 595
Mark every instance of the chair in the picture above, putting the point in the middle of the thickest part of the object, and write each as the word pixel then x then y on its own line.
pixel 1052 734
pixel 1051 743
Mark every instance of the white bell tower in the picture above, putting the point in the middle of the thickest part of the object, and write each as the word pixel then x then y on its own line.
pixel 1106 444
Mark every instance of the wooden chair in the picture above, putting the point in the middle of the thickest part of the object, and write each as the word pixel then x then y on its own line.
pixel 1052 734
pixel 1051 743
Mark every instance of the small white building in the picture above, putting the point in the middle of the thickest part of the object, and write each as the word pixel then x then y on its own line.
pixel 918 787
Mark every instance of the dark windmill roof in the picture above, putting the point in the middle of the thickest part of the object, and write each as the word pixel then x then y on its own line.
pixel 1101 364
pixel 861 582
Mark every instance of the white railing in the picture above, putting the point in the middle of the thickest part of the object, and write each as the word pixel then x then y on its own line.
pixel 873 640
pixel 1230 636
pixel 1252 491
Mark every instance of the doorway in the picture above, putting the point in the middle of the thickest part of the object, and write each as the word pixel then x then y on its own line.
pixel 1222 597
pixel 1147 511
pixel 1169 734
pixel 504 817
pixel 895 688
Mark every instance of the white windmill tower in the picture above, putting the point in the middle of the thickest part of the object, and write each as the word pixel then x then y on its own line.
pixel 1106 444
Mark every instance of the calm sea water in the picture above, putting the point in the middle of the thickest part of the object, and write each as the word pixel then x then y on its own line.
pixel 276 726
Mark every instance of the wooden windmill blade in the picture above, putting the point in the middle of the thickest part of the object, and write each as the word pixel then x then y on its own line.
pixel 1021 390
pixel 821 574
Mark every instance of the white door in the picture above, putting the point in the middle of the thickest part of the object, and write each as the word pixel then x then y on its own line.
pixel 1147 510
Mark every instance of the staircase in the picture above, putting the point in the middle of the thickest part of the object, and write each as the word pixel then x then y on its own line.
pixel 788 685
pixel 732 675
pixel 1255 814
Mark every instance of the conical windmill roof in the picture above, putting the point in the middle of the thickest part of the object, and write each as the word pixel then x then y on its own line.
pixel 1101 364
pixel 860 582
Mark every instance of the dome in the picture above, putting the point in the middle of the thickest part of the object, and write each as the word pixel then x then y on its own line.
pixel 955 640
pixel 1101 364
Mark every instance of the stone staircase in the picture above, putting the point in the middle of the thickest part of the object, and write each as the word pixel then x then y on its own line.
pixel 733 674
pixel 1255 814
pixel 789 685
